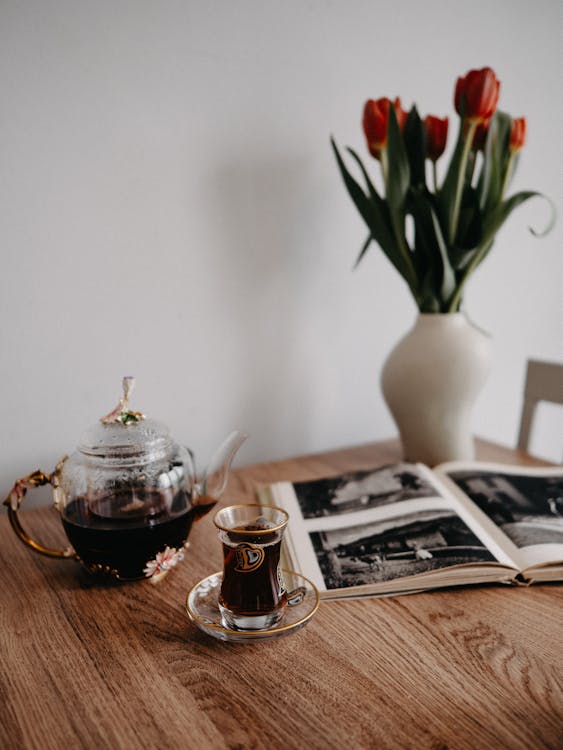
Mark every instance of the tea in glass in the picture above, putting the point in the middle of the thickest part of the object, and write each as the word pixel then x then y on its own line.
pixel 253 594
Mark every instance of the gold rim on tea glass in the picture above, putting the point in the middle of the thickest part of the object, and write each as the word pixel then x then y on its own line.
pixel 258 507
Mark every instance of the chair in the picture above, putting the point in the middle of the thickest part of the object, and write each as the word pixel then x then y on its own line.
pixel 544 382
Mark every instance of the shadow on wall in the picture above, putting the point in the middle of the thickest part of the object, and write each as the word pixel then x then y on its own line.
pixel 261 259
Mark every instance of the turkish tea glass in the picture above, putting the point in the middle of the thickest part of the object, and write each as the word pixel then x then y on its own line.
pixel 253 594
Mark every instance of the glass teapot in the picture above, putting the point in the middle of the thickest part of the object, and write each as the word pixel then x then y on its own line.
pixel 128 495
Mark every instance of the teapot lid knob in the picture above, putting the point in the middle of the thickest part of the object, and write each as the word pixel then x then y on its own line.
pixel 122 413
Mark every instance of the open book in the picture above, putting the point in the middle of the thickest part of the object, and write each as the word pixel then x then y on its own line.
pixel 404 527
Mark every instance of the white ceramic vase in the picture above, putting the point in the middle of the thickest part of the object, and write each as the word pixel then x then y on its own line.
pixel 430 382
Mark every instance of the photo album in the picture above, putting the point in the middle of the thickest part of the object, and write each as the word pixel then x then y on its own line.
pixel 403 528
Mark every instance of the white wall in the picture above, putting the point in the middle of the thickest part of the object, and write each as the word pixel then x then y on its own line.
pixel 170 208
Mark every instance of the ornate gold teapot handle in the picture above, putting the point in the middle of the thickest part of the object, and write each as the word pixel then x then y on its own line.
pixel 15 497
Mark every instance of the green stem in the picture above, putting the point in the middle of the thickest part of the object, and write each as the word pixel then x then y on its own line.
pixel 435 176
pixel 384 168
pixel 507 175
pixel 471 167
pixel 404 249
pixel 399 232
pixel 460 180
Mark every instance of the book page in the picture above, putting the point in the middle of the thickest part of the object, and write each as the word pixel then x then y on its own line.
pixel 491 535
pixel 523 504
pixel 368 528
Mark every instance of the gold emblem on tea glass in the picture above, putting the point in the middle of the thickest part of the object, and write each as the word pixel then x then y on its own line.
pixel 249 558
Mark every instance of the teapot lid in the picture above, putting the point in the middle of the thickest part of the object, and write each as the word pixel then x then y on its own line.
pixel 124 432
pixel 148 436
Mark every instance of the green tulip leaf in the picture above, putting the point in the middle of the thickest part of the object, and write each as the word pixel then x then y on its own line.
pixel 552 218
pixel 495 220
pixel 426 249
pixel 363 250
pixel 470 227
pixel 448 192
pixel 398 172
pixel 496 162
pixel 397 182
pixel 481 253
pixel 510 170
pixel 414 136
pixel 376 216
pixel 369 184
pixel 503 211
pixel 354 190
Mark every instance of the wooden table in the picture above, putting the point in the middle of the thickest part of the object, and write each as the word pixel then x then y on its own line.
pixel 85 665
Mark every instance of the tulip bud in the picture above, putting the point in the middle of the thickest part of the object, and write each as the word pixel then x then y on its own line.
pixel 376 119
pixel 476 95
pixel 517 134
pixel 436 136
pixel 400 113
pixel 480 136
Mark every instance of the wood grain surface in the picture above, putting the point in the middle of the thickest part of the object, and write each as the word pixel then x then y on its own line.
pixel 90 665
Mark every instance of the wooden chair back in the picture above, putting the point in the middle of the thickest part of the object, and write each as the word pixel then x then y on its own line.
pixel 544 382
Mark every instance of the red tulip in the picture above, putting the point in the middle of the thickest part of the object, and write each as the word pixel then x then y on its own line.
pixel 517 134
pixel 436 136
pixel 400 113
pixel 375 120
pixel 477 93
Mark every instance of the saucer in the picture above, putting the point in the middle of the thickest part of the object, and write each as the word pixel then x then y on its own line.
pixel 203 610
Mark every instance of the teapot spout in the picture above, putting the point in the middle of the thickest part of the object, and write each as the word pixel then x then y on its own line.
pixel 215 476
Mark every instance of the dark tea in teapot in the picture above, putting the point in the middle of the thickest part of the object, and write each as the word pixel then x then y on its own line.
pixel 122 544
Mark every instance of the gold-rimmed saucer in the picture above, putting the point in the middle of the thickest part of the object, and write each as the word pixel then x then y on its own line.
pixel 203 610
